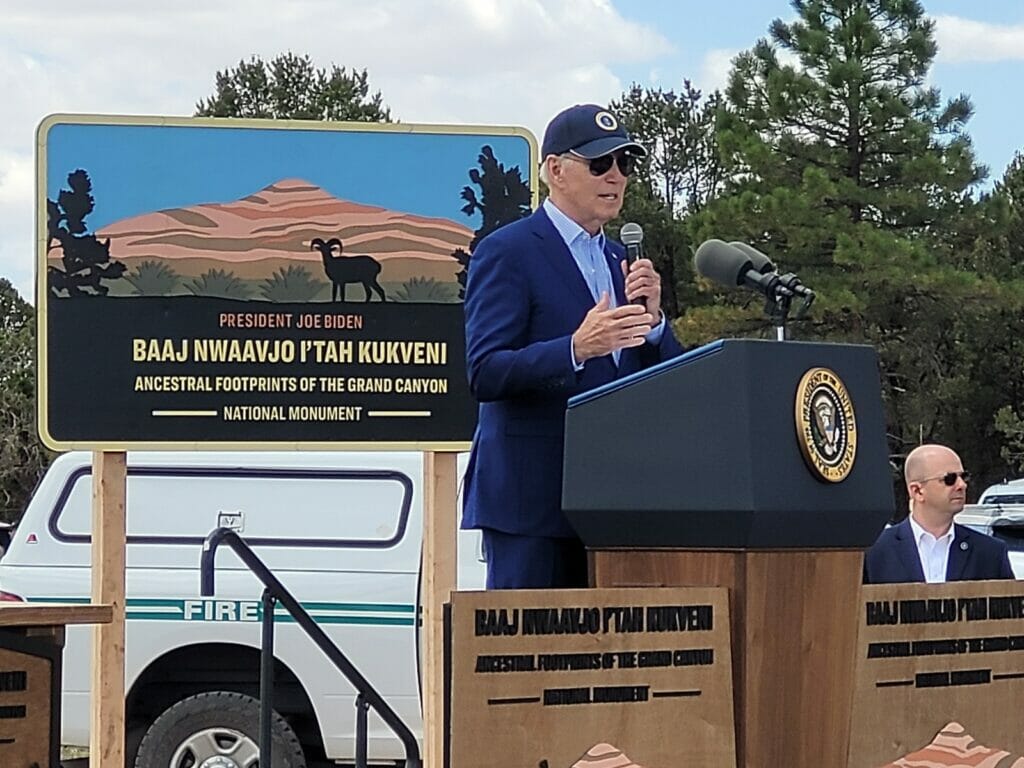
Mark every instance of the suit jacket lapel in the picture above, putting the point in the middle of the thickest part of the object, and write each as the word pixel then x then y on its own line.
pixel 906 550
pixel 558 256
pixel 959 553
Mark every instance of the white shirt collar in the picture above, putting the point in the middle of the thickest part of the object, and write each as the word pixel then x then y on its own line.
pixel 567 228
pixel 919 532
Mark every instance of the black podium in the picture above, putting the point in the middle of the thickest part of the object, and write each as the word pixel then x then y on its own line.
pixel 758 466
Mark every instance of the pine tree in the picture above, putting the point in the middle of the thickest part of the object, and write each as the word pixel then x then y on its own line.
pixel 23 458
pixel 844 165
pixel 680 175
pixel 290 87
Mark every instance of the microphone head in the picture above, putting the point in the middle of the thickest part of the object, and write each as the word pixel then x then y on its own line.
pixel 720 262
pixel 759 262
pixel 631 234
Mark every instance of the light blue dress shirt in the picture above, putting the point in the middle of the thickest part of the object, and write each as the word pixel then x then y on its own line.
pixel 588 252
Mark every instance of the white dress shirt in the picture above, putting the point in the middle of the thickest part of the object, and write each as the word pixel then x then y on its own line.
pixel 588 252
pixel 934 552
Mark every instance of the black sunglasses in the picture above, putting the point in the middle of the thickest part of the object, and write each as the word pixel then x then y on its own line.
pixel 950 478
pixel 599 166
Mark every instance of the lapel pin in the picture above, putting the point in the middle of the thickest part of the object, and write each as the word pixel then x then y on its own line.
pixel 963 545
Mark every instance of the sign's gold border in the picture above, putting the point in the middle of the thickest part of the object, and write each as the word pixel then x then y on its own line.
pixel 42 372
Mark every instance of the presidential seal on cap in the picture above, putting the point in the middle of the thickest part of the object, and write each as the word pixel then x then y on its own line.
pixel 826 426
pixel 587 130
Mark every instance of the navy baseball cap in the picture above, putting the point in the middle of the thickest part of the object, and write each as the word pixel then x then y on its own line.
pixel 589 131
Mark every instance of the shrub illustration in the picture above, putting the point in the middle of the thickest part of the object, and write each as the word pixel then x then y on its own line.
pixel 291 283
pixel 153 278
pixel 426 289
pixel 219 283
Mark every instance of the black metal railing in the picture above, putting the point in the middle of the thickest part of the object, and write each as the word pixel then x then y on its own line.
pixel 274 592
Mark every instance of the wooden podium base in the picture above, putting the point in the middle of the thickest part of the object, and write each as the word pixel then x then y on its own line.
pixel 794 634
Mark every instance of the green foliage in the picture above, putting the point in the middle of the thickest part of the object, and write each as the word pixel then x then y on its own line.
pixel 504 197
pixel 680 176
pixel 847 168
pixel 219 283
pixel 153 278
pixel 23 458
pixel 292 283
pixel 853 124
pixel 290 87
pixel 1010 425
pixel 426 289
pixel 991 240
pixel 682 169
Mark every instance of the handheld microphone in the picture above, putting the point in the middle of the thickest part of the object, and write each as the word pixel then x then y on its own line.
pixel 632 236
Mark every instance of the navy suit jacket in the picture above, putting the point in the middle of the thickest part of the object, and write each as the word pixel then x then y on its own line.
pixel 524 299
pixel 973 556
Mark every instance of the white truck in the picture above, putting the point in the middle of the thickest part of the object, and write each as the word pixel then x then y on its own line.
pixel 342 531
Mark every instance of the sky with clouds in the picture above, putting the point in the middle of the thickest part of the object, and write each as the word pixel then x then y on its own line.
pixel 481 62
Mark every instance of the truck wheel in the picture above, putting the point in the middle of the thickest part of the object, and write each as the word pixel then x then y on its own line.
pixel 219 729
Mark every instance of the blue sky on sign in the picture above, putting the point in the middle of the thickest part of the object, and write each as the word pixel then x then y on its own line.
pixel 478 62
pixel 137 169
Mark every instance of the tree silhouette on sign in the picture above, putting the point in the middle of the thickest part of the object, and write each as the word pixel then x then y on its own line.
pixel 86 259
pixel 504 197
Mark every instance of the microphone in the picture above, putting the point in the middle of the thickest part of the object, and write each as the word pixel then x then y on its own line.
pixel 722 263
pixel 762 264
pixel 759 262
pixel 730 265
pixel 632 235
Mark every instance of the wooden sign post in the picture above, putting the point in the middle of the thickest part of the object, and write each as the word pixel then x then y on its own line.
pixel 106 732
pixel 440 558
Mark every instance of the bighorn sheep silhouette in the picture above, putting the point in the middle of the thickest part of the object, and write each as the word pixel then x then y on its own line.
pixel 342 270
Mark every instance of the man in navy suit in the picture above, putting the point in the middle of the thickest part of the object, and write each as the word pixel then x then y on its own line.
pixel 552 311
pixel 928 545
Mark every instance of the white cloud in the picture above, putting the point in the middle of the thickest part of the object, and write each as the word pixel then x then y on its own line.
pixel 965 40
pixel 17 221
pixel 715 68
pixel 488 62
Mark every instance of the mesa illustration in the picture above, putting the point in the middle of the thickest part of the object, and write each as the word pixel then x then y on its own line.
pixel 954 747
pixel 291 241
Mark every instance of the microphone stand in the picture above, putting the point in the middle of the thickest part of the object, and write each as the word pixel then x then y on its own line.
pixel 777 309
pixel 779 302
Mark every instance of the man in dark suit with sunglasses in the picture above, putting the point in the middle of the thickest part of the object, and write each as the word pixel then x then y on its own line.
pixel 551 311
pixel 928 545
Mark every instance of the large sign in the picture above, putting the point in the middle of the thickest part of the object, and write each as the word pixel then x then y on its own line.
pixel 940 675
pixel 241 282
pixel 591 678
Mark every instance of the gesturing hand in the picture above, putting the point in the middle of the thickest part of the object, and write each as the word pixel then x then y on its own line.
pixel 604 330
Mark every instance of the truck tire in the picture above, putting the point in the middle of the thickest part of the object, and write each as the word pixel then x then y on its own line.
pixel 219 728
